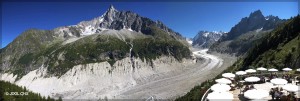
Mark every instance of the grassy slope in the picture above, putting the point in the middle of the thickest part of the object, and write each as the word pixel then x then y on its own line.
pixel 22 48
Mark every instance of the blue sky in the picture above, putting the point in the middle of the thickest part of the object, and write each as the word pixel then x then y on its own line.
pixel 186 18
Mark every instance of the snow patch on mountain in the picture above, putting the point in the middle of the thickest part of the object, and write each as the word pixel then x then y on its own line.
pixel 267 18
pixel 189 41
pixel 205 34
pixel 260 29
pixel 89 30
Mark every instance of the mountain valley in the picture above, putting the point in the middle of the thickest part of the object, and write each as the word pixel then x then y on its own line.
pixel 123 55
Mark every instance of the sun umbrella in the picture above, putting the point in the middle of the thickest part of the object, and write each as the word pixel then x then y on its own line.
pixel 242 81
pixel 223 81
pixel 250 71
pixel 291 88
pixel 261 69
pixel 220 96
pixel 228 75
pixel 287 69
pixel 220 87
pixel 278 81
pixel 241 73
pixel 252 79
pixel 272 70
pixel 256 94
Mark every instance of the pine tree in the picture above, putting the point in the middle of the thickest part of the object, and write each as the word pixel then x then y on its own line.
pixel 48 98
pixel 24 89
pixel 60 99
pixel 44 98
pixel 287 60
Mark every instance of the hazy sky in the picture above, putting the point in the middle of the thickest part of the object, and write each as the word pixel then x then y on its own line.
pixel 186 18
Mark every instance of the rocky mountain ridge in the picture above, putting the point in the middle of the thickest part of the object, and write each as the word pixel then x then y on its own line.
pixel 241 37
pixel 113 19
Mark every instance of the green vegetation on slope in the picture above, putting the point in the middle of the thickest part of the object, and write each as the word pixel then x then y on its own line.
pixel 99 48
pixel 161 43
pixel 281 57
pixel 158 33
pixel 241 44
pixel 84 51
pixel 110 49
pixel 20 53
pixel 278 49
pixel 12 92
pixel 150 48
pixel 25 59
pixel 30 41
pixel 196 93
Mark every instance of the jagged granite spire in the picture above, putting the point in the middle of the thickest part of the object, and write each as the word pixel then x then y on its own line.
pixel 256 13
pixel 110 13
pixel 113 19
pixel 112 8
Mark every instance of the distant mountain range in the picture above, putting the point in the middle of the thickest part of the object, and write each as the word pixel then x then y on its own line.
pixel 241 37
pixel 205 39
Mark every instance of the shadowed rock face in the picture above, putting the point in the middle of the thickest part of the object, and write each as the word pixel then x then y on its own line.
pixel 256 20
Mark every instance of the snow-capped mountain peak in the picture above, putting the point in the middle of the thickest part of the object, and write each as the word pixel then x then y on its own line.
pixel 205 38
pixel 112 19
